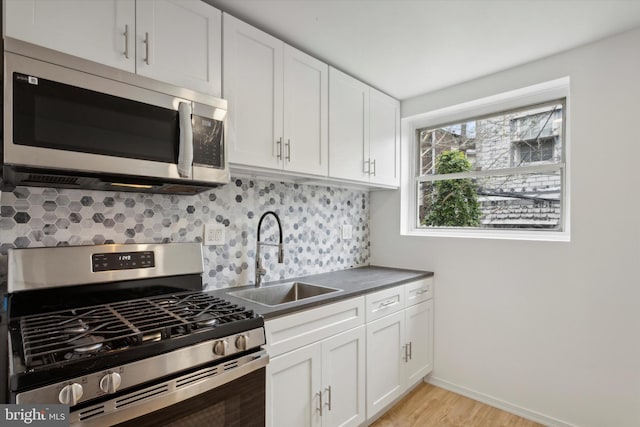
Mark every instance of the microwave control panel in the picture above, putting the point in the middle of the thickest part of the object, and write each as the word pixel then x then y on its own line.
pixel 208 142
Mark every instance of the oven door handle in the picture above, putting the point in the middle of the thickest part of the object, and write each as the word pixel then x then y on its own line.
pixel 162 395
pixel 185 152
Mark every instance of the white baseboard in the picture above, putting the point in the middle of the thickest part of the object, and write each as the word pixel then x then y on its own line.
pixel 498 403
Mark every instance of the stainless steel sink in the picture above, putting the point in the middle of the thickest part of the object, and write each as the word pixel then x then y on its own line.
pixel 273 295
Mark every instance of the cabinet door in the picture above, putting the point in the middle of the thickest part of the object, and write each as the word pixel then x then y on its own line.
pixel 306 110
pixel 419 329
pixel 343 379
pixel 93 30
pixel 384 138
pixel 180 42
pixel 348 127
pixel 252 83
pixel 385 361
pixel 294 387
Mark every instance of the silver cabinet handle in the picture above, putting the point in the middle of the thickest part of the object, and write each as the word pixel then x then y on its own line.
pixel 387 303
pixel 288 144
pixel 373 163
pixel 319 394
pixel 367 169
pixel 279 143
pixel 126 41
pixel 422 291
pixel 146 48
pixel 329 400
pixel 406 352
pixel 410 350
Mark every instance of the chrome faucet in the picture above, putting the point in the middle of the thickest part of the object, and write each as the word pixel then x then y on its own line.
pixel 260 270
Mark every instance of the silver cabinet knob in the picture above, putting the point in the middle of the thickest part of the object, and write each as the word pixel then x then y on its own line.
pixel 110 382
pixel 220 348
pixel 70 394
pixel 242 342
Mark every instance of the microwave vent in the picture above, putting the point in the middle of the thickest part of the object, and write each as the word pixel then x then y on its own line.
pixel 52 179
pixel 180 189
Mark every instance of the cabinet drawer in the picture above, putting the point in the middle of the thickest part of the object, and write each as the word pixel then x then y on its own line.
pixel 418 291
pixel 306 327
pixel 382 303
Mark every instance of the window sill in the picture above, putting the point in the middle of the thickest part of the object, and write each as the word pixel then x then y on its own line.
pixel 527 235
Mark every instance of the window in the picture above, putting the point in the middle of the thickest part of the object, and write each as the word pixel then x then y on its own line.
pixel 493 173
pixel 538 150
pixel 536 135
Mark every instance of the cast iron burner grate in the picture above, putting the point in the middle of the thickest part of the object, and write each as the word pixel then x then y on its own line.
pixel 84 332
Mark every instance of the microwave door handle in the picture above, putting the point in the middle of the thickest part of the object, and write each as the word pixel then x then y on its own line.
pixel 185 152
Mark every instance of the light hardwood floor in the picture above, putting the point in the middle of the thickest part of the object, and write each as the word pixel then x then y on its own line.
pixel 428 405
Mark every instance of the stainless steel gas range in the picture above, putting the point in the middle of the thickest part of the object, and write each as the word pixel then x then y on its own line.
pixel 125 334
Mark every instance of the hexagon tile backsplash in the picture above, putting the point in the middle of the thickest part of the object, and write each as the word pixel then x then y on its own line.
pixel 311 218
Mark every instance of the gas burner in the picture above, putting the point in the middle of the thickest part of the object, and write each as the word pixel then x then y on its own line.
pixel 206 319
pixel 88 344
pixel 77 327
pixel 152 337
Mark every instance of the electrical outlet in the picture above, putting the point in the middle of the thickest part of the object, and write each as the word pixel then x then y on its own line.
pixel 346 232
pixel 213 234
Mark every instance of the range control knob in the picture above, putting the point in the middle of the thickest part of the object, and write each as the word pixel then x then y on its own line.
pixel 110 382
pixel 220 348
pixel 70 394
pixel 242 342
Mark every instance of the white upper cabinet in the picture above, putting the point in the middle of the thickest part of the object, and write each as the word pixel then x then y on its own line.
pixel 349 127
pixel 364 132
pixel 384 139
pixel 252 83
pixel 306 103
pixel 278 100
pixel 98 30
pixel 175 41
pixel 179 42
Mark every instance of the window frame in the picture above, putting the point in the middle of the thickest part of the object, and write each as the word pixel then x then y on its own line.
pixel 512 100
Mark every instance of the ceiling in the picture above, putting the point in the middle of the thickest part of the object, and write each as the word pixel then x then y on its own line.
pixel 409 47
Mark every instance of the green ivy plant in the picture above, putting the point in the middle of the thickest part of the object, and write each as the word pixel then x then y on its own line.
pixel 455 201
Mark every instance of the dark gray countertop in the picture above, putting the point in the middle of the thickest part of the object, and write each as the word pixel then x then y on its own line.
pixel 352 282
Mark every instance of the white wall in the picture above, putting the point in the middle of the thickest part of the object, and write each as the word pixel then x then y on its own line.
pixel 550 328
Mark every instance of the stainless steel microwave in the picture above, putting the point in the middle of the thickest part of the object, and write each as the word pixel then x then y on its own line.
pixel 73 123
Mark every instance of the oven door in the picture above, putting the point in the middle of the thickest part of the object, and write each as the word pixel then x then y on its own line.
pixel 229 394
pixel 59 118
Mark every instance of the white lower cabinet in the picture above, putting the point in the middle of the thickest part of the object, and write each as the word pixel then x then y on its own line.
pixel 321 384
pixel 419 339
pixel 400 344
pixel 343 379
pixel 385 361
pixel 293 383
pixel 329 368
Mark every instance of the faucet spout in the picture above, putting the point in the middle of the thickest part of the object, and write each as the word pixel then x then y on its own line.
pixel 260 270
